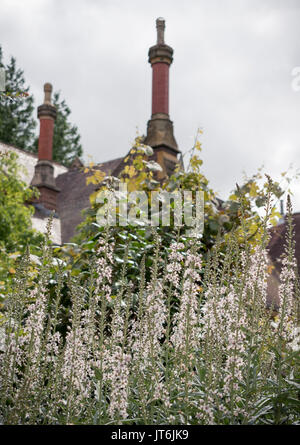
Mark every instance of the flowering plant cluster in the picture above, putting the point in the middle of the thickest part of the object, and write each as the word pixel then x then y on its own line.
pixel 194 344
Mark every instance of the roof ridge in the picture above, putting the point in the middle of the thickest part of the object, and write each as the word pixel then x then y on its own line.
pixel 30 153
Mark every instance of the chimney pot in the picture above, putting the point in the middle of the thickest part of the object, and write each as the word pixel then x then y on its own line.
pixel 47 91
pixel 160 26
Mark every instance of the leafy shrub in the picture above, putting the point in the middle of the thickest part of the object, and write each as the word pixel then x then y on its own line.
pixel 193 344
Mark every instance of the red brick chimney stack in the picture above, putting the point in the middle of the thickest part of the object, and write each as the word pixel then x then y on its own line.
pixel 160 128
pixel 47 116
pixel 44 171
pixel 160 62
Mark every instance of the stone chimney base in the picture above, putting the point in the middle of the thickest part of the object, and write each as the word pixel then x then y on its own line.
pixel 44 181
pixel 160 132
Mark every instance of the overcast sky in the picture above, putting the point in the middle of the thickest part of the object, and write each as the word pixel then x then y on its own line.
pixel 231 75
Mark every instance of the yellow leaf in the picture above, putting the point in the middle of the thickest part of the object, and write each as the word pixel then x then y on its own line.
pixel 130 170
pixel 99 175
pixel 198 146
pixel 253 190
pixel 91 180
pixel 93 197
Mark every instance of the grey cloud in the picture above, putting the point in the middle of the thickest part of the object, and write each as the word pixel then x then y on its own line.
pixel 231 74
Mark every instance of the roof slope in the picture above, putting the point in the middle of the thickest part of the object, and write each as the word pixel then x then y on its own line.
pixel 74 196
pixel 277 241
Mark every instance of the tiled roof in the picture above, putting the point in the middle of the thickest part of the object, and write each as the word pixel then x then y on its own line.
pixel 74 195
pixel 277 241
pixel 276 249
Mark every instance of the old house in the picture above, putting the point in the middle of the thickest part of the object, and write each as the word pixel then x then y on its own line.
pixel 64 190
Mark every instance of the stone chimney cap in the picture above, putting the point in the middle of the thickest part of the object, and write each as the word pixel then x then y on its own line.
pixel 160 25
pixel 47 109
pixel 47 91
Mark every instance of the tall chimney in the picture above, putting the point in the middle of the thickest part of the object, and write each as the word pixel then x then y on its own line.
pixel 160 71
pixel 160 128
pixel 44 171
pixel 47 116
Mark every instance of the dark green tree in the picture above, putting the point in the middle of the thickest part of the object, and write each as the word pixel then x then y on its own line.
pixel 66 139
pixel 16 111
